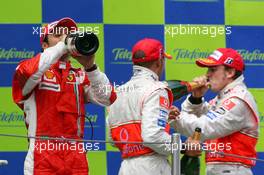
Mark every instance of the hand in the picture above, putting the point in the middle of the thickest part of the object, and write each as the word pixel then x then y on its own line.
pixel 86 61
pixel 193 148
pixel 199 92
pixel 63 37
pixel 174 113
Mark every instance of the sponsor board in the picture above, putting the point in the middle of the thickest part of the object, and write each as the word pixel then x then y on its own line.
pixel 202 11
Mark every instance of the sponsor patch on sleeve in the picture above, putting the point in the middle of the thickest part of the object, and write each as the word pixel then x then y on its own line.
pixel 220 110
pixel 211 115
pixel 163 113
pixel 164 102
pixel 162 122
pixel 228 104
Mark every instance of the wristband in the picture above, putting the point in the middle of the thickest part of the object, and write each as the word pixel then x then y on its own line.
pixel 195 100
pixel 94 67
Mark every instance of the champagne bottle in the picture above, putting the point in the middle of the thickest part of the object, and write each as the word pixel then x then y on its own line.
pixel 180 88
pixel 191 165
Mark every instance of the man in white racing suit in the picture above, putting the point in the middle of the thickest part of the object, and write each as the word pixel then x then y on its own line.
pixel 230 121
pixel 141 112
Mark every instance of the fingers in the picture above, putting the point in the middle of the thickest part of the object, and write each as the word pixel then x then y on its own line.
pixel 175 110
pixel 174 113
pixel 193 147
pixel 208 85
pixel 193 153
pixel 63 37
pixel 201 80
pixel 199 92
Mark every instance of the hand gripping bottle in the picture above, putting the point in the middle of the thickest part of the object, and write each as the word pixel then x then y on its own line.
pixel 180 88
pixel 191 165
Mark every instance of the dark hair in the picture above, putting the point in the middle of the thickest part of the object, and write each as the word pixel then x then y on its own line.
pixel 237 72
pixel 45 39
pixel 141 54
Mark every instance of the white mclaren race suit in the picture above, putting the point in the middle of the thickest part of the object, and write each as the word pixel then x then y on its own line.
pixel 140 113
pixel 229 124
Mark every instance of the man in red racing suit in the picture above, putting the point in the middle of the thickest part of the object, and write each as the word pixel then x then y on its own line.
pixel 52 95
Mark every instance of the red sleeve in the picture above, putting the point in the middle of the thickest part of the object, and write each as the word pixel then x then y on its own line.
pixel 23 72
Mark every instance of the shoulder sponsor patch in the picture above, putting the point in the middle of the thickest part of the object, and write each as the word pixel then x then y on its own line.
pixel 211 115
pixel 164 102
pixel 228 104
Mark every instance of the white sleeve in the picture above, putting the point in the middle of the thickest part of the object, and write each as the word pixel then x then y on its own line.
pixel 217 123
pixel 197 109
pixel 109 135
pixel 51 55
pixel 47 58
pixel 154 120
pixel 100 90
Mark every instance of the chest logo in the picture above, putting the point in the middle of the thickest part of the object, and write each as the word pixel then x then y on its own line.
pixel 228 104
pixel 49 76
pixel 70 77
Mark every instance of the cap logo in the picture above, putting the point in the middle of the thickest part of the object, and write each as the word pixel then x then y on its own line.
pixel 229 61
pixel 216 55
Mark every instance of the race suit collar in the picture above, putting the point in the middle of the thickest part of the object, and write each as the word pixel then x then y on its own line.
pixel 139 71
pixel 229 87
pixel 62 65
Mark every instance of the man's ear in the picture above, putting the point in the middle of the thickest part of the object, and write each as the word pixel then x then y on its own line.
pixel 231 73
pixel 45 45
pixel 158 63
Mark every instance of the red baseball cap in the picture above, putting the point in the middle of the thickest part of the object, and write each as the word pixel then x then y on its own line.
pixel 223 56
pixel 64 22
pixel 151 50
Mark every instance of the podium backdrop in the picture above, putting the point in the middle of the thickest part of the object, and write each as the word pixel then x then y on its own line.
pixel 190 29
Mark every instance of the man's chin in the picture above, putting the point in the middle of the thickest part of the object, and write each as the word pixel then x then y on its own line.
pixel 214 89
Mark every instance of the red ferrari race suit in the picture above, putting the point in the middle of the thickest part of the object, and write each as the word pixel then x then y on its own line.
pixel 140 114
pixel 53 96
pixel 229 124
